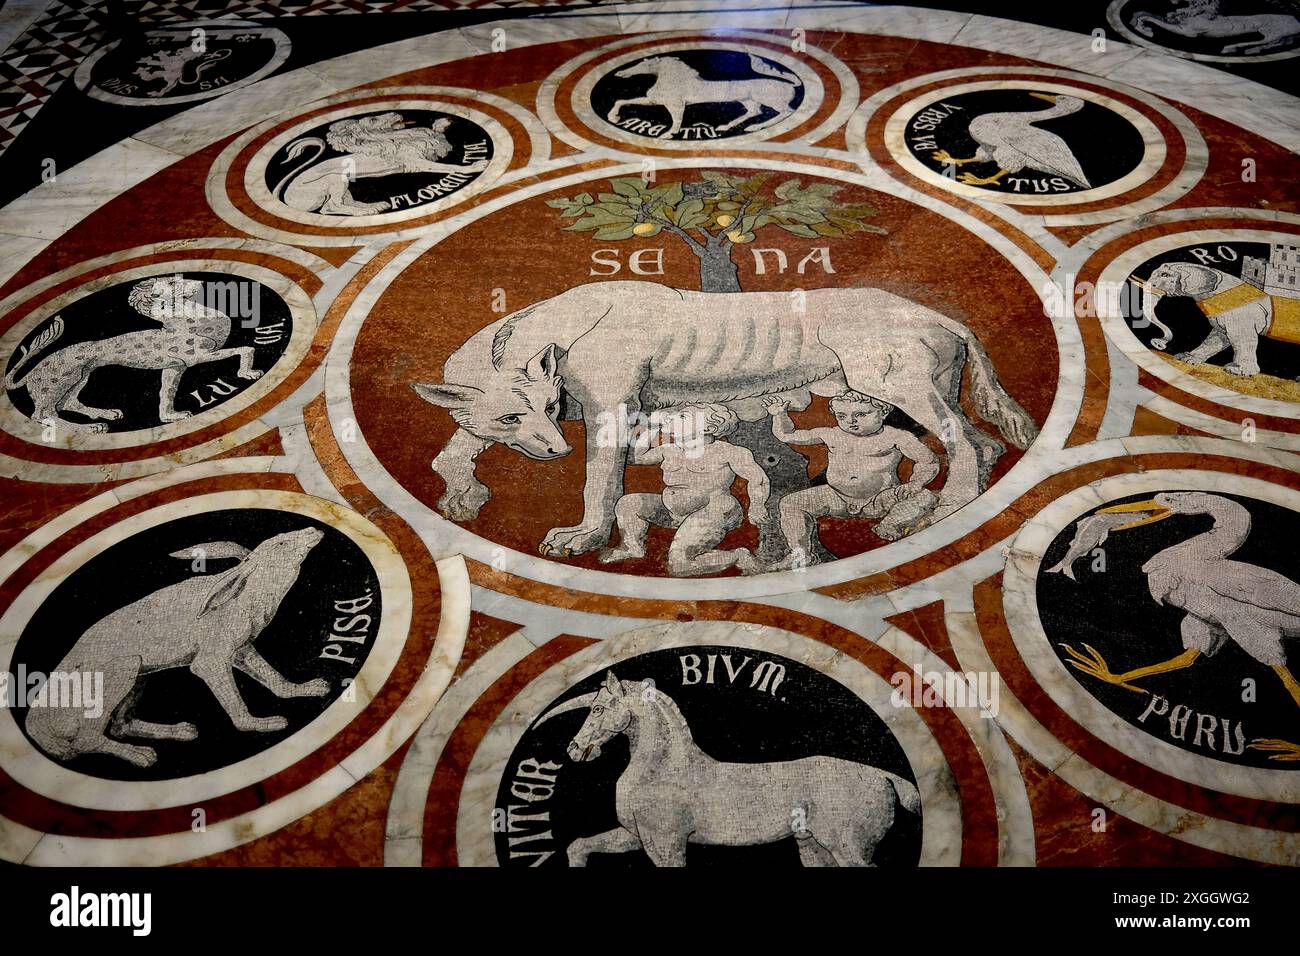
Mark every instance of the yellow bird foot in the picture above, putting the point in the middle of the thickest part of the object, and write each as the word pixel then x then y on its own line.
pixel 1094 665
pixel 970 179
pixel 943 156
pixel 1283 749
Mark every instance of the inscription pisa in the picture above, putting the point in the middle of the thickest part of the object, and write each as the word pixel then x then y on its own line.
pixel 233 630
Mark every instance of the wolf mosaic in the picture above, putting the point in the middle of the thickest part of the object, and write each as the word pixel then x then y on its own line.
pixel 624 348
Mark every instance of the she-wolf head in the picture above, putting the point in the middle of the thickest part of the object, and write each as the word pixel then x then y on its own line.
pixel 517 407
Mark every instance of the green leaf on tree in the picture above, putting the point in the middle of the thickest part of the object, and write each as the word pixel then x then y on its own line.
pixel 691 214
pixel 631 187
pixel 614 232
pixel 669 195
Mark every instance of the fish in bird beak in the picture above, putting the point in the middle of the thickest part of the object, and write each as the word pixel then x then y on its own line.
pixel 1155 512
pixel 1050 97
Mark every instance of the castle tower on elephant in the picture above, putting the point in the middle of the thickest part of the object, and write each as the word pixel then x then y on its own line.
pixel 1280 275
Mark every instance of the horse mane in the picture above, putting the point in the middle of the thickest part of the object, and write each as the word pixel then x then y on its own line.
pixel 665 704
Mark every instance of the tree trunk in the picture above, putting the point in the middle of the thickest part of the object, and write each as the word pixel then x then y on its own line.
pixel 787 470
pixel 717 272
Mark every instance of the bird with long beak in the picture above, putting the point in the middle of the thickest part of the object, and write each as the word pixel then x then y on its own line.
pixel 1255 608
pixel 1013 142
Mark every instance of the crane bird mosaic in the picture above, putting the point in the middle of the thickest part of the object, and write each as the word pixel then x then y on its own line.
pixel 1014 142
pixel 1226 601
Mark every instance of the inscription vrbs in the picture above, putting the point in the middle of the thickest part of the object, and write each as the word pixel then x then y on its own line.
pixel 1024 141
pixel 218 635
pixel 568 776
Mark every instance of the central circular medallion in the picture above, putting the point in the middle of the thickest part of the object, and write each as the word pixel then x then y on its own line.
pixel 714 374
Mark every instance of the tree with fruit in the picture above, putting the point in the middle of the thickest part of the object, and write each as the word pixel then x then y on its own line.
pixel 712 216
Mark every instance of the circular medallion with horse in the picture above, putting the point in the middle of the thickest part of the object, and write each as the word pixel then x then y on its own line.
pixel 707 372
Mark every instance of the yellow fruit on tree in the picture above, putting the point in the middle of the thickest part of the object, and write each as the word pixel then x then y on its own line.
pixel 645 228
pixel 726 220
pixel 741 237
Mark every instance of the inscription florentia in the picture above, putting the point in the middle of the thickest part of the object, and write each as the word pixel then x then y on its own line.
pixel 382 162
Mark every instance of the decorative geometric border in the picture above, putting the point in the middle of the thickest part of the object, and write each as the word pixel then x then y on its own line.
pixel 866 612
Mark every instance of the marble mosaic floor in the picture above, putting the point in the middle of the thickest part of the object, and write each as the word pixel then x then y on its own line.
pixel 667 433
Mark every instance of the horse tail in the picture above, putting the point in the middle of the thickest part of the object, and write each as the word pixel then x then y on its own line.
pixel 908 796
pixel 39 344
pixel 210 59
pixel 758 66
pixel 296 149
pixel 991 399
